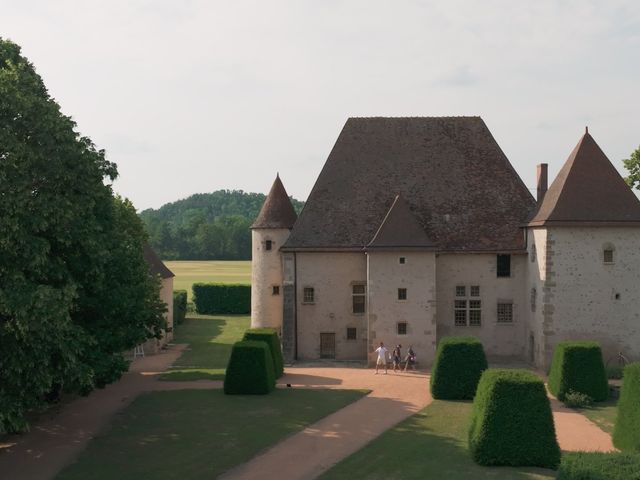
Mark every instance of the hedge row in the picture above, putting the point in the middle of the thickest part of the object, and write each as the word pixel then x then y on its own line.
pixel 577 366
pixel 250 369
pixel 599 466
pixel 179 306
pixel 457 367
pixel 626 434
pixel 211 298
pixel 270 337
pixel 512 422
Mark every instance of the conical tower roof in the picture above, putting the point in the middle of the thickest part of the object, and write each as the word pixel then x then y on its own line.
pixel 156 266
pixel 277 210
pixel 400 229
pixel 588 191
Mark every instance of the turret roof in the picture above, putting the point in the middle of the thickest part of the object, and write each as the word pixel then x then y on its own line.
pixel 156 266
pixel 277 210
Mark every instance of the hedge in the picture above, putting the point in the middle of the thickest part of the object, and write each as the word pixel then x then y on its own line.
pixel 179 306
pixel 270 337
pixel 250 369
pixel 626 433
pixel 457 367
pixel 599 466
pixel 221 298
pixel 577 366
pixel 511 423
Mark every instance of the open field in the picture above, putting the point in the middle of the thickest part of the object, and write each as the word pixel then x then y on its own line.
pixel 602 414
pixel 190 272
pixel 430 444
pixel 199 434
pixel 210 338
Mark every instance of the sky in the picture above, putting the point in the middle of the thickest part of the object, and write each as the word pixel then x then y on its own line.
pixel 195 96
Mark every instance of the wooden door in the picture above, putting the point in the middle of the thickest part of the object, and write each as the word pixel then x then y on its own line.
pixel 327 345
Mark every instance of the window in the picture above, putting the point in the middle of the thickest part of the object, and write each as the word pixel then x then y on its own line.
pixel 534 295
pixel 403 260
pixel 460 313
pixel 461 291
pixel 505 312
pixel 359 298
pixel 475 313
pixel 402 294
pixel 268 244
pixel 308 295
pixel 275 290
pixel 351 333
pixel 401 328
pixel 504 265
pixel 533 253
pixel 608 255
pixel 474 290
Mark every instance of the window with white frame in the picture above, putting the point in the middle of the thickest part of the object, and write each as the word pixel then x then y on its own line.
pixel 308 295
pixel 358 298
pixel 475 313
pixel 474 290
pixel 505 312
pixel 467 311
pixel 460 313
pixel 461 291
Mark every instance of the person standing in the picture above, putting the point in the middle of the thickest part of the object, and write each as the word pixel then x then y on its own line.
pixel 411 359
pixel 396 355
pixel 382 357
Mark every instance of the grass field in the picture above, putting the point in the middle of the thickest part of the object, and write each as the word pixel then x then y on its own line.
pixel 210 338
pixel 189 272
pixel 199 434
pixel 602 414
pixel 430 444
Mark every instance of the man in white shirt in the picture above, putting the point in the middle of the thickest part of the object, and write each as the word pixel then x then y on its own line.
pixel 382 357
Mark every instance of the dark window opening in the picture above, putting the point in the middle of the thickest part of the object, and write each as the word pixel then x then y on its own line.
pixel 275 290
pixel 308 295
pixel 402 294
pixel 351 333
pixel 359 298
pixel 268 244
pixel 403 260
pixel 504 265
pixel 402 328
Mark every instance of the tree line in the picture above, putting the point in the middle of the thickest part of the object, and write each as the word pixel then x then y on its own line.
pixel 206 226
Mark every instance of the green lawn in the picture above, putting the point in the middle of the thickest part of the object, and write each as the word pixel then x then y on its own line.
pixel 429 445
pixel 210 338
pixel 190 272
pixel 602 414
pixel 198 434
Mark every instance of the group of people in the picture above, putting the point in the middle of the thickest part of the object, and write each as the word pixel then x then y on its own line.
pixel 396 357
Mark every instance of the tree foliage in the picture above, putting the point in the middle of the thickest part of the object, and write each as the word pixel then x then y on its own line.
pixel 206 226
pixel 74 289
pixel 633 165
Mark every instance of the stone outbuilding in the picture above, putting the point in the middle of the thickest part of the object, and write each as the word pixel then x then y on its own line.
pixel 418 228
pixel 159 269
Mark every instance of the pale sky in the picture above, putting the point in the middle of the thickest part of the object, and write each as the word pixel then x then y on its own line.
pixel 194 96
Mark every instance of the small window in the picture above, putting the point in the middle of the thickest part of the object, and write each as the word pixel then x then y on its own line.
pixel 402 328
pixel 533 253
pixel 461 291
pixel 505 313
pixel 460 313
pixel 402 294
pixel 474 290
pixel 308 295
pixel 608 255
pixel 403 260
pixel 504 265
pixel 351 333
pixel 534 295
pixel 268 245
pixel 475 313
pixel 275 290
pixel 359 298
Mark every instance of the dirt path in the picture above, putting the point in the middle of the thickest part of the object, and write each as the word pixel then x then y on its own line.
pixel 393 398
pixel 575 432
pixel 57 439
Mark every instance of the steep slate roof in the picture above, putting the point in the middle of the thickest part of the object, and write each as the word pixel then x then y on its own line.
pixel 454 177
pixel 588 190
pixel 156 267
pixel 400 228
pixel 277 210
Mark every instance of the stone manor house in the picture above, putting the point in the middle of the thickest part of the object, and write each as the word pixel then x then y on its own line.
pixel 419 228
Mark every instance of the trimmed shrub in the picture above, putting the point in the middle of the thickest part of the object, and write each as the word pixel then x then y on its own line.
pixel 577 400
pixel 626 433
pixel 250 369
pixel 457 367
pixel 221 298
pixel 511 423
pixel 179 306
pixel 599 466
pixel 578 367
pixel 270 337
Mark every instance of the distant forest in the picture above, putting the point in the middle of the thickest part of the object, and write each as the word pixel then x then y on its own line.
pixel 206 226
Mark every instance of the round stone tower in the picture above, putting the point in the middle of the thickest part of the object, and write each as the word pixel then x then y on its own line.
pixel 268 233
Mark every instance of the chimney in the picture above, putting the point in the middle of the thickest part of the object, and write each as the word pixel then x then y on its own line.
pixel 543 180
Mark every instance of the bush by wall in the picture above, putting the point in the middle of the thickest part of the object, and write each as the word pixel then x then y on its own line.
pixel 511 423
pixel 179 306
pixel 270 337
pixel 221 298
pixel 250 369
pixel 599 466
pixel 578 366
pixel 626 433
pixel 457 367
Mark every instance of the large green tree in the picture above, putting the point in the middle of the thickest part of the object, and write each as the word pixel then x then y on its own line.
pixel 633 165
pixel 67 246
